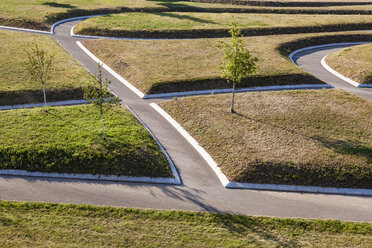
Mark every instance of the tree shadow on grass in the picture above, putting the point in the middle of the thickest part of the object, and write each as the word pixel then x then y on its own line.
pixel 59 5
pixel 246 225
pixel 344 147
pixel 172 3
pixel 348 147
pixel 182 17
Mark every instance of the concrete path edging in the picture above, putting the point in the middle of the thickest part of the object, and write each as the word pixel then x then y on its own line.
pixel 339 75
pixel 111 71
pixel 292 54
pixel 113 178
pixel 177 178
pixel 254 186
pixel 25 30
pixel 223 91
pixel 299 188
pixel 223 179
pixel 49 104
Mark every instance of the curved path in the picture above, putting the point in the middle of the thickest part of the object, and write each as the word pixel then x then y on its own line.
pixel 201 190
pixel 310 60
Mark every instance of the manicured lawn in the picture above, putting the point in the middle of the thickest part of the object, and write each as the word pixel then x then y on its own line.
pixel 354 62
pixel 159 66
pixel 39 14
pixel 67 79
pixel 318 137
pixel 59 225
pixel 69 139
pixel 187 21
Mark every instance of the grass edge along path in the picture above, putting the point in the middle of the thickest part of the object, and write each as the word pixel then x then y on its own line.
pixel 192 65
pixel 308 138
pixel 49 224
pixel 209 25
pixel 14 16
pixel 353 62
pixel 69 140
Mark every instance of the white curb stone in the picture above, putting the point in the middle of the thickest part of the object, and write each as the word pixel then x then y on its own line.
pixel 111 71
pixel 339 75
pixel 254 186
pixel 36 105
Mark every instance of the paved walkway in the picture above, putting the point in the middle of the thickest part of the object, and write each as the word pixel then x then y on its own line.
pixel 201 190
pixel 310 61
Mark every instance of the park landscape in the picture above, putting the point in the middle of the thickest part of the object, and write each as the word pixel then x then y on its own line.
pixel 306 132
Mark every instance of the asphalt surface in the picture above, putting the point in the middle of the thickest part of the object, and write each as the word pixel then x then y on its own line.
pixel 310 61
pixel 201 189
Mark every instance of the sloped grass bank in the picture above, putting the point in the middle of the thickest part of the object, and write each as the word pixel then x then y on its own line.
pixel 69 140
pixel 68 77
pixel 214 25
pixel 36 14
pixel 289 3
pixel 48 224
pixel 314 138
pixel 354 62
pixel 163 66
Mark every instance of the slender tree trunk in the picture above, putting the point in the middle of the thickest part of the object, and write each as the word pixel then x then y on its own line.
pixel 103 127
pixel 233 99
pixel 45 103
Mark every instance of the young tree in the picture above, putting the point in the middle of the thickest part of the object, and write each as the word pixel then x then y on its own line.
pixel 38 66
pixel 99 95
pixel 238 62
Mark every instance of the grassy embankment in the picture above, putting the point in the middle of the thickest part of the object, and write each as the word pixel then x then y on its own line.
pixel 68 77
pixel 202 25
pixel 161 66
pixel 354 62
pixel 317 138
pixel 58 225
pixel 69 140
pixel 37 14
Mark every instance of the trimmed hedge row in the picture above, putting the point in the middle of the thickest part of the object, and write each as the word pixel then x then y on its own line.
pixel 36 96
pixel 220 33
pixel 51 18
pixel 23 23
pixel 54 17
pixel 78 159
pixel 218 83
pixel 286 48
pixel 307 174
pixel 284 4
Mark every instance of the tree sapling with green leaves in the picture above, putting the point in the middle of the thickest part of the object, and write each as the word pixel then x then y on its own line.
pixel 99 95
pixel 238 62
pixel 39 66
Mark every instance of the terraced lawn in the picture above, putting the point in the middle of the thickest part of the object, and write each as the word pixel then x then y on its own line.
pixel 69 140
pixel 161 66
pixel 317 138
pixel 68 77
pixel 40 14
pixel 167 21
pixel 57 225
pixel 354 62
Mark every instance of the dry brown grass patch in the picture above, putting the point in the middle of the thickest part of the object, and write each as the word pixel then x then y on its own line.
pixel 320 138
pixel 354 62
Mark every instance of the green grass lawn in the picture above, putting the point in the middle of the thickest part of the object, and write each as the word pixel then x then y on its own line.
pixel 167 21
pixel 354 62
pixel 67 79
pixel 59 225
pixel 160 66
pixel 317 137
pixel 69 140
pixel 40 14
